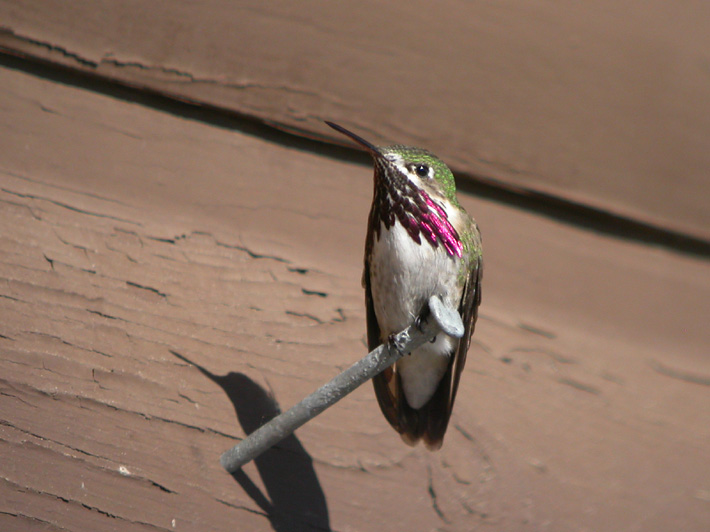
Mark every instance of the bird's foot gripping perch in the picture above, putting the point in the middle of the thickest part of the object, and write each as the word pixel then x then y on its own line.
pixel 398 342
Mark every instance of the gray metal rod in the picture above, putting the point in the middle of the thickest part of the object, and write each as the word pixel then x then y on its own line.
pixel 285 424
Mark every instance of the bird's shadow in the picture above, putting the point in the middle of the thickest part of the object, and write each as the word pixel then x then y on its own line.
pixel 294 499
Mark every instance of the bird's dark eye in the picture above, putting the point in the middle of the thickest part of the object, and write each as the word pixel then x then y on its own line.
pixel 421 170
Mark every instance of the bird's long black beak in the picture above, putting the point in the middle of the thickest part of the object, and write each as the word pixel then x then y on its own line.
pixel 374 150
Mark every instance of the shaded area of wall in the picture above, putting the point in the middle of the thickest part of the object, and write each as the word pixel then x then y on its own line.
pixel 600 105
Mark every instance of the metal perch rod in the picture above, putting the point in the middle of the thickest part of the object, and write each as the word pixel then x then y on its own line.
pixel 445 319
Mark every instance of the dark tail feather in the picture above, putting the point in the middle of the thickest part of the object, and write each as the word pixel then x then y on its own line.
pixel 438 413
pixel 427 423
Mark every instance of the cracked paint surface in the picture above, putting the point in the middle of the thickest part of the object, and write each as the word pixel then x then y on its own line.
pixel 154 269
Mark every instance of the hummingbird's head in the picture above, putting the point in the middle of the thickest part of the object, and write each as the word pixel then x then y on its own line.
pixel 405 167
pixel 415 187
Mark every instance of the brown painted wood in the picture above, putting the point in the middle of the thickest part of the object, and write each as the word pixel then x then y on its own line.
pixel 603 104
pixel 167 283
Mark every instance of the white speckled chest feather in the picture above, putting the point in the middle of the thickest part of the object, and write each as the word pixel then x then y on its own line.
pixel 403 275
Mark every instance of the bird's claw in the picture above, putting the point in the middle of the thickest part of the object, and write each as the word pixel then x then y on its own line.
pixel 396 343
pixel 419 322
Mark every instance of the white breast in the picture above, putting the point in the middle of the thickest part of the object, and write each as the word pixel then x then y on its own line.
pixel 403 275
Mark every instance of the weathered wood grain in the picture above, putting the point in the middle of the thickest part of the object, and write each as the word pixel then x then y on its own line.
pixel 167 283
pixel 603 104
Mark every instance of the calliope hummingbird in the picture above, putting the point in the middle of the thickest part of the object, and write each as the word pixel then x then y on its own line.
pixel 420 243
